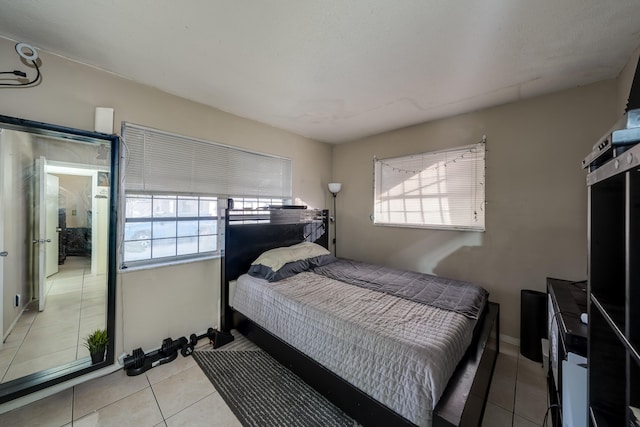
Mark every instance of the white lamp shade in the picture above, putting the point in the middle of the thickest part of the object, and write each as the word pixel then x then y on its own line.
pixel 335 187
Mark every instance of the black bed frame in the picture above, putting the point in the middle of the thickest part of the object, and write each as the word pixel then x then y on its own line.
pixel 464 399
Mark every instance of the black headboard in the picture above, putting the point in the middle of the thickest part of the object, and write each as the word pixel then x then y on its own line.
pixel 249 233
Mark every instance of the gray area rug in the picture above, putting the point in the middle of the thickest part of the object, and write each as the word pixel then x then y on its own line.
pixel 261 392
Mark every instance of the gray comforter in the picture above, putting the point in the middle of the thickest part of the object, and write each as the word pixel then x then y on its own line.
pixel 400 352
pixel 453 295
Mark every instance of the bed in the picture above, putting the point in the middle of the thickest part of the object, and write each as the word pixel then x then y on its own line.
pixel 418 364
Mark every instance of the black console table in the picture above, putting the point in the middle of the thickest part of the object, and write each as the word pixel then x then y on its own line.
pixel 567 301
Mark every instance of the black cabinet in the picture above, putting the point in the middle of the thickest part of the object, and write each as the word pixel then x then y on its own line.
pixel 614 291
pixel 62 236
pixel 567 300
pixel 78 241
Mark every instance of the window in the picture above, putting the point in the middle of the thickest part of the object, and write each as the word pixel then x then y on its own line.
pixel 251 209
pixel 172 185
pixel 442 189
pixel 252 203
pixel 160 226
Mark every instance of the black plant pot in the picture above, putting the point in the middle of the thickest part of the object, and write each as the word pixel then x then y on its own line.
pixel 97 357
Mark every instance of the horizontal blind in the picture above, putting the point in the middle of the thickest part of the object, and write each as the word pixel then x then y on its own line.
pixel 161 162
pixel 441 189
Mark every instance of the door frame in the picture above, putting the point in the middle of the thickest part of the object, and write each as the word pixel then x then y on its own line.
pixel 52 196
pixel 44 241
pixel 78 169
pixel 2 246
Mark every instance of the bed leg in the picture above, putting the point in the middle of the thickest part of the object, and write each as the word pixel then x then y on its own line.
pixel 221 338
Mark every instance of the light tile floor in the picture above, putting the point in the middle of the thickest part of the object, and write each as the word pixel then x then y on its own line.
pixel 179 394
pixel 75 306
pixel 518 394
pixel 173 394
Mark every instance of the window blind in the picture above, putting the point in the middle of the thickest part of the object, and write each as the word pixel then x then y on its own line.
pixel 160 162
pixel 441 189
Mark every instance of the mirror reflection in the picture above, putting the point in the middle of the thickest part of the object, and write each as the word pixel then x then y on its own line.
pixel 54 232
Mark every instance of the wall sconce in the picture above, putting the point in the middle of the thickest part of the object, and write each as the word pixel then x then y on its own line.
pixel 334 188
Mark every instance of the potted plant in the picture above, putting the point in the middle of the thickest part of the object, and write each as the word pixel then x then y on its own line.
pixel 96 343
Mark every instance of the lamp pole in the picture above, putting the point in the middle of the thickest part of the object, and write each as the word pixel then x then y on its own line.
pixel 335 225
pixel 334 188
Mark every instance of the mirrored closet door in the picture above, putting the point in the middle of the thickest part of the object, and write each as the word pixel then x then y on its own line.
pixel 57 241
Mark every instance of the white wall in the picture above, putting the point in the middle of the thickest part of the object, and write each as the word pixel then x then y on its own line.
pixel 16 159
pixel 75 198
pixel 535 190
pixel 179 300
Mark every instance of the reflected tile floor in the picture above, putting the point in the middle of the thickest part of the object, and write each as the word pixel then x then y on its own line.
pixel 179 394
pixel 75 306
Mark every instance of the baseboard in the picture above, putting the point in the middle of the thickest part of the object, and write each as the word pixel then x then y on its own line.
pixel 15 322
pixel 510 340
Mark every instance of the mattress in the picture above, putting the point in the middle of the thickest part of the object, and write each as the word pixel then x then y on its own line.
pixel 399 352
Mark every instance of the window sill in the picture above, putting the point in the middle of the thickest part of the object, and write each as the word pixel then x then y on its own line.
pixel 431 227
pixel 168 263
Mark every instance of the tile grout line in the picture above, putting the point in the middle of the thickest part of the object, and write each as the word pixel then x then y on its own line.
pixel 37 313
pixel 514 408
pixel 186 407
pixel 73 402
pixel 164 420
pixel 78 338
pixel 82 305
pixel 112 403
pixel 515 388
pixel 13 358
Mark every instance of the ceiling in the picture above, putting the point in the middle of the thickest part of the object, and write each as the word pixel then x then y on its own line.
pixel 336 70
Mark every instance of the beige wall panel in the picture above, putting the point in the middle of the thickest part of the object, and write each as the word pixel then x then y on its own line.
pixel 536 211
pixel 168 302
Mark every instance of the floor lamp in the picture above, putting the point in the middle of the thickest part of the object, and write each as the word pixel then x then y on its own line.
pixel 334 188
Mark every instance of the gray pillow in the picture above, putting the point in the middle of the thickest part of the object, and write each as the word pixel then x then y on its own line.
pixel 289 269
pixel 320 260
